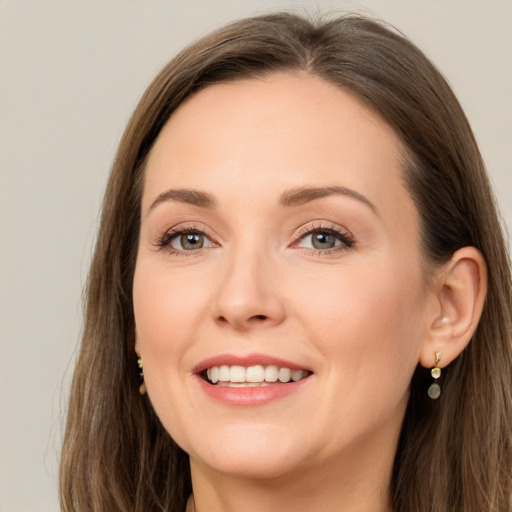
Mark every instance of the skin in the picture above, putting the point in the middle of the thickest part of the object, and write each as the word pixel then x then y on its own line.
pixel 359 316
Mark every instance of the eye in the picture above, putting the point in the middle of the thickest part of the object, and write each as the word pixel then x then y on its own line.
pixel 321 240
pixel 186 239
pixel 325 239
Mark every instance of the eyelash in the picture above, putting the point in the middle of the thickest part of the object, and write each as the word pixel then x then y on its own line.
pixel 347 241
pixel 164 241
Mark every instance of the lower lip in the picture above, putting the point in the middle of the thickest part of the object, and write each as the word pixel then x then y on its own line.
pixel 250 396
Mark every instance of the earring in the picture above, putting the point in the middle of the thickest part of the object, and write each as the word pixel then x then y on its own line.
pixel 142 386
pixel 434 390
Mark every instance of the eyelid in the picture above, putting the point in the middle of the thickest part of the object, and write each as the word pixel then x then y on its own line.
pixel 163 239
pixel 321 225
pixel 342 234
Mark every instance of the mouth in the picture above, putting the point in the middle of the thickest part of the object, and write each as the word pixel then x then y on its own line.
pixel 251 380
pixel 252 376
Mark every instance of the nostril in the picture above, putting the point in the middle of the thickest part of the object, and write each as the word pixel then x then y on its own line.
pixel 253 320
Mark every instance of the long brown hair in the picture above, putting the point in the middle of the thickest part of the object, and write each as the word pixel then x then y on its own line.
pixel 454 454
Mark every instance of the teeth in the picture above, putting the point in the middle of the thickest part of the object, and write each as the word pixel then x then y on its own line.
pixel 224 372
pixel 240 376
pixel 237 374
pixel 284 374
pixel 271 373
pixel 296 375
pixel 242 384
pixel 255 374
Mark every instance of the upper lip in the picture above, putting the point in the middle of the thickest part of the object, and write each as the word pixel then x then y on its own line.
pixel 246 360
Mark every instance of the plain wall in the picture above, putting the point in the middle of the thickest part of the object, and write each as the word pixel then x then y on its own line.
pixel 70 75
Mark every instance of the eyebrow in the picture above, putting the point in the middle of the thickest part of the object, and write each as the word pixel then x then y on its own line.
pixel 290 198
pixel 302 195
pixel 184 195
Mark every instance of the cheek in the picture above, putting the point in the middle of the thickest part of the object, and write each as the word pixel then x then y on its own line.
pixel 165 312
pixel 166 307
pixel 368 328
pixel 369 321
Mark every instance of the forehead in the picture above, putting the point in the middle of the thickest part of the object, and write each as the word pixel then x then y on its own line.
pixel 275 132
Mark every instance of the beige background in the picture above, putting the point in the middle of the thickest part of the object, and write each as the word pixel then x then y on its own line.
pixel 70 74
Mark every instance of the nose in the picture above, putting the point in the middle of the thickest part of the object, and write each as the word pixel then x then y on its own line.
pixel 248 293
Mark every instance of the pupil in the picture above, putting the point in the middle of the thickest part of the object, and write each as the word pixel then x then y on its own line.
pixel 323 241
pixel 191 241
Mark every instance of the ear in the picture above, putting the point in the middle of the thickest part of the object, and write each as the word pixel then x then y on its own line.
pixel 459 294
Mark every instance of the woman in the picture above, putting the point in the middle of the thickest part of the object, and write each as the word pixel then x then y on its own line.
pixel 300 261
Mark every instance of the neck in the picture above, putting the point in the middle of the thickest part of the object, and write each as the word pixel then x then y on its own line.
pixel 355 483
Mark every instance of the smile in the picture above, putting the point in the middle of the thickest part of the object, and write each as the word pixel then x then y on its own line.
pixel 252 376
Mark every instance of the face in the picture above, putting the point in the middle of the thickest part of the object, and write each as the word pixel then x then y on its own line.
pixel 279 298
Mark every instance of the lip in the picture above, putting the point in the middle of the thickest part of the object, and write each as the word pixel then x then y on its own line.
pixel 246 360
pixel 248 396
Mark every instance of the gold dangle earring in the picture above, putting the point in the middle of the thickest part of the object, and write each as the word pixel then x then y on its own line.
pixel 434 390
pixel 142 386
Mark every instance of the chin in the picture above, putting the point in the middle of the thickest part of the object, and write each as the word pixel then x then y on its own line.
pixel 252 466
pixel 259 454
